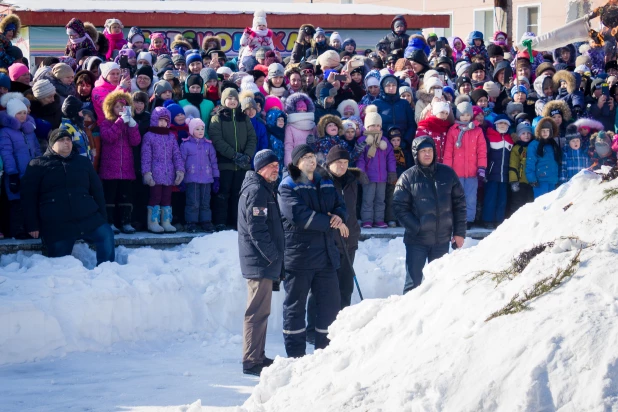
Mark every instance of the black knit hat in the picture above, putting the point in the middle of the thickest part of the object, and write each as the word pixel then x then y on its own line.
pixel 71 107
pixel 462 80
pixel 475 67
pixel 299 151
pixel 145 71
pixel 476 94
pixel 194 79
pixel 494 50
pixel 337 153
pixel 572 133
pixel 58 134
pixel 263 158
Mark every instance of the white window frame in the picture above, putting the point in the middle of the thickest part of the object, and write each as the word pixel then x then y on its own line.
pixel 527 6
pixel 486 36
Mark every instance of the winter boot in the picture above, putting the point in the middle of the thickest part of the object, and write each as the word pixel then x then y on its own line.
pixel 367 225
pixel 166 219
pixel 111 215
pixel 380 225
pixel 153 219
pixel 126 209
pixel 207 227
pixel 220 227
pixel 191 228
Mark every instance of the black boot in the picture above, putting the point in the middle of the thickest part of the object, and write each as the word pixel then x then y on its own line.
pixel 207 227
pixel 255 370
pixel 126 210
pixel 111 215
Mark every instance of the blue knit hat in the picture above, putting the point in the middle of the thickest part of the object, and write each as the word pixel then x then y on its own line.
pixel 5 81
pixel 174 108
pixel 519 89
pixel 193 56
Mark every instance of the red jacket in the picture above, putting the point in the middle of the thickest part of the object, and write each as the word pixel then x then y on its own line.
pixel 437 129
pixel 470 156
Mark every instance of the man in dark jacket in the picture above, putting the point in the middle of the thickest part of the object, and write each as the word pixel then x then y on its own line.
pixel 429 202
pixel 260 248
pixel 394 110
pixel 311 208
pixel 63 200
pixel 325 103
pixel 396 39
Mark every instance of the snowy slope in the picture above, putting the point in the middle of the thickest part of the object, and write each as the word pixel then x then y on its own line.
pixel 432 350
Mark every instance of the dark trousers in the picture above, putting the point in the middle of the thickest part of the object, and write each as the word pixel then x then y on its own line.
pixel 225 203
pixel 416 256
pixel 102 238
pixel 259 296
pixel 325 287
pixel 160 195
pixel 494 203
pixel 118 193
pixel 16 222
pixel 389 215
pixel 141 194
pixel 198 203
pixel 518 199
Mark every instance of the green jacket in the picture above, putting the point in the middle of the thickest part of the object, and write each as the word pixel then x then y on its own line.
pixel 231 131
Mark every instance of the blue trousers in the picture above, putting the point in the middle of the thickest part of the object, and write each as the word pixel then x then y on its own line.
pixel 102 238
pixel 470 186
pixel 416 257
pixel 197 208
pixel 494 204
pixel 325 287
pixel 543 188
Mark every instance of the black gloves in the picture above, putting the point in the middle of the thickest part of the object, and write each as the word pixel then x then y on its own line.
pixel 14 183
pixel 242 160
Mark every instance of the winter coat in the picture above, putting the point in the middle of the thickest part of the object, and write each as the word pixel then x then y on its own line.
pixel 499 156
pixel 51 113
pixel 18 146
pixel 394 41
pixel 604 115
pixel 261 241
pixel 423 99
pixel 517 163
pixel 101 89
pixel 88 35
pixel 260 133
pixel 571 94
pixel 253 40
pixel 430 202
pixel 305 206
pixel 300 125
pixel 62 197
pixel 395 111
pixel 200 159
pixel 161 155
pixel 542 169
pixel 231 132
pixel 542 100
pixel 116 42
pixel 377 167
pixel 573 161
pixel 317 49
pixel 437 129
pixel 205 107
pixel 471 155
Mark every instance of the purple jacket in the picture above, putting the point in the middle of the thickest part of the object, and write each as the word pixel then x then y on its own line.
pixel 380 165
pixel 18 145
pixel 200 159
pixel 160 153
pixel 117 138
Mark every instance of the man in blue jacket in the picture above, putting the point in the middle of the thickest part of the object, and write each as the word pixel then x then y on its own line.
pixel 312 209
pixel 260 248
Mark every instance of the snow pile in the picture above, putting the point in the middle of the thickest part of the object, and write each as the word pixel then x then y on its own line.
pixel 433 351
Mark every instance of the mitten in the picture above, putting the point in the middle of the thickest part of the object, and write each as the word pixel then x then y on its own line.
pixel 148 180
pixel 132 122
pixel 216 185
pixel 179 176
pixel 14 183
pixel 481 173
pixel 311 139
pixel 515 187
pixel 126 117
pixel 391 178
pixel 248 30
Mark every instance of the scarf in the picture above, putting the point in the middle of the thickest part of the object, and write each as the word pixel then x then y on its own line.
pixel 278 132
pixel 195 99
pixel 79 40
pixel 159 130
pixel 373 148
pixel 302 121
pixel 540 150
pixel 262 33
pixel 463 127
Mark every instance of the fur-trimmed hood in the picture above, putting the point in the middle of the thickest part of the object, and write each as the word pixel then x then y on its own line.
pixel 180 42
pixel 290 102
pixel 92 31
pixel 591 124
pixel 111 100
pixel 568 77
pixel 10 19
pixel 424 96
pixel 348 102
pixel 209 39
pixel 557 105
pixel 326 119
pixel 539 126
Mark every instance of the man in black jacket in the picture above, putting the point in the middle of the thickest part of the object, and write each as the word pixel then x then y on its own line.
pixel 429 202
pixel 63 200
pixel 260 246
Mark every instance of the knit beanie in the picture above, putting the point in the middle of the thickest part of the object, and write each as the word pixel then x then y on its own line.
pixel 247 83
pixel 61 70
pixel 224 70
pixel 56 135
pixel 439 107
pixel 195 122
pixel 372 116
pixel 462 68
pixel 145 56
pixel 16 70
pixel 300 151
pixel 275 70
pixel 161 87
pixel 337 153
pixel 523 128
pixel 71 107
pixel 348 124
pixel 145 71
pixel 583 60
pixel 335 36
pixel 247 102
pixel 193 57
pixel 15 106
pixel 492 89
pixel 174 108
pixel 263 158
pixel 208 73
pixel 193 80
pixel 179 58
pixel 464 108
pixel 406 89
pixel 462 80
pixel 229 92
pixel 476 67
pixel 319 31
pixel 107 67
pixel 5 81
pixel 513 107
pixel 428 84
pixel 43 88
pixel 329 58
pixel 476 94
pixel 259 18
pixel 519 89
pixel 494 50
pixel 572 133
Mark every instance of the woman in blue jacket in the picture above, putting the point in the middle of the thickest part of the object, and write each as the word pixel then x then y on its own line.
pixel 543 158
pixel 394 110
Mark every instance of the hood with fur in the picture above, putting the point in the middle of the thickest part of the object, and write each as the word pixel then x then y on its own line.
pixel 568 77
pixel 110 102
pixel 10 19
pixel 348 102
pixel 290 103
pixel 326 119
pixel 539 126
pixel 180 42
pixel 211 39
pixel 560 105
pixel 593 125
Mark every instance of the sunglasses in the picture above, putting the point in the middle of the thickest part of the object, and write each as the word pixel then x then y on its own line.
pixel 307 71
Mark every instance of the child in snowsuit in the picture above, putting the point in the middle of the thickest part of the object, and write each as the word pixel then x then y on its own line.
pixel 201 176
pixel 600 151
pixel 466 152
pixel 255 37
pixel 543 158
pixel 574 157
pixel 115 37
pixel 378 163
pixel 162 168
pixel 330 129
pixel 276 126
pixel 521 191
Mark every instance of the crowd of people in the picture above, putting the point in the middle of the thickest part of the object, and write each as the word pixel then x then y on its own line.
pixel 129 133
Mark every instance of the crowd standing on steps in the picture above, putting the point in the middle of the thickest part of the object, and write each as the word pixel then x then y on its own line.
pixel 165 136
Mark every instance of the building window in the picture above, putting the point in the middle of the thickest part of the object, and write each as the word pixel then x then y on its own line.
pixel 578 9
pixel 484 22
pixel 532 24
pixel 528 20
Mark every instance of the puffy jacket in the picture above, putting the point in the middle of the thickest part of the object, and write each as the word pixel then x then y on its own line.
pixel 394 41
pixel 517 163
pixel 101 89
pixel 231 132
pixel 18 146
pixel 500 146
pixel 205 108
pixel 542 169
pixel 261 241
pixel 430 202
pixel 377 167
pixel 62 197
pixel 305 205
pixel 573 161
pixel 300 125
pixel 51 113
pixel 160 154
pixel 117 139
pixel 200 159
pixel 470 156
pixel 396 111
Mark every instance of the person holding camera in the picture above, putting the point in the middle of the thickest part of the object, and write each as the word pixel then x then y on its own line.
pixel 603 106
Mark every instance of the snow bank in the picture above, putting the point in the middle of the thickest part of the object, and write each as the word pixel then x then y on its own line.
pixel 433 351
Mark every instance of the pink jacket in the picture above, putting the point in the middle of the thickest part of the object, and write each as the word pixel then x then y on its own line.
pixel 116 42
pixel 101 89
pixel 470 156
pixel 298 128
pixel 615 144
pixel 117 140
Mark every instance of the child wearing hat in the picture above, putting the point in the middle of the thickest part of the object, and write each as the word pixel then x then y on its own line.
pixel 275 85
pixel 378 163
pixel 601 153
pixel 330 132
pixel 495 189
pixel 466 152
pixel 256 36
pixel 574 156
pixel 276 121
pixel 300 123
pixel 73 122
pixel 18 146
pixel 372 86
pixel 115 37
pixel 201 177
pixel 194 96
pixel 402 163
pixel 436 126
pixel 158 46
pixel 586 127
pixel 521 191
pixel 543 158
pixel 81 36
pixel 178 125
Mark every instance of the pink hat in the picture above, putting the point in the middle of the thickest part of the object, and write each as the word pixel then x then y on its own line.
pixel 272 101
pixel 16 70
pixel 195 123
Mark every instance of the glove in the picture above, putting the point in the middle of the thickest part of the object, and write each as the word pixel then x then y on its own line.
pixel 242 160
pixel 534 184
pixel 126 117
pixel 276 285
pixel 148 180
pixel 391 178
pixel 481 173
pixel 310 139
pixel 14 183
pixel 179 176
pixel 132 122
pixel 216 185
pixel 515 187
pixel 238 159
